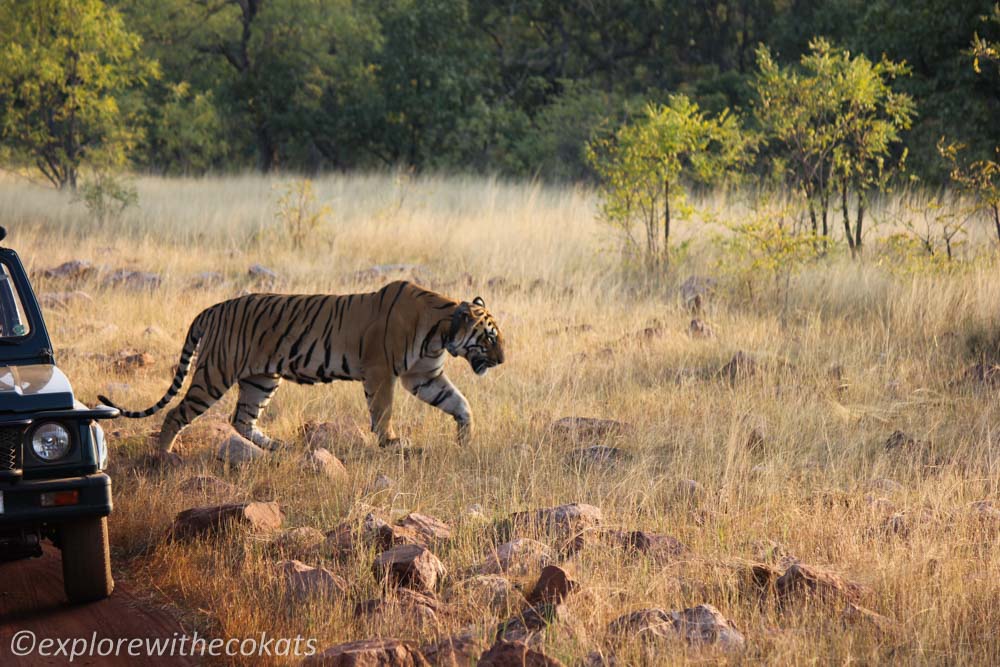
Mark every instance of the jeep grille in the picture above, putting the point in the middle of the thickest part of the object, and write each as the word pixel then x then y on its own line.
pixel 10 448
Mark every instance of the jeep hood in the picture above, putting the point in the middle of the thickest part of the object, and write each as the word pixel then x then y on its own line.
pixel 34 387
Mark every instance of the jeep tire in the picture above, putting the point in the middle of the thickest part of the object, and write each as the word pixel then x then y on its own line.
pixel 86 560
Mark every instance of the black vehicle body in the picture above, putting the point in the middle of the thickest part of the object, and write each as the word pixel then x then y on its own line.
pixel 39 498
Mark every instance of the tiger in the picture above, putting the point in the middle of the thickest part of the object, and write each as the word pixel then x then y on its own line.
pixel 402 332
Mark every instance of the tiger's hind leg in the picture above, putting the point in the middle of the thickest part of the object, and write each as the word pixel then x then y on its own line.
pixel 200 396
pixel 255 393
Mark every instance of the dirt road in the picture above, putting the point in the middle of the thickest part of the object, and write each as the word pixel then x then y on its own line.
pixel 32 600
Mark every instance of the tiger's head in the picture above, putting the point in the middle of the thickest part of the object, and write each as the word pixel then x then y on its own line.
pixel 475 335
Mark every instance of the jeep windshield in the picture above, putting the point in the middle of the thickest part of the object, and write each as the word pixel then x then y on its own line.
pixel 13 323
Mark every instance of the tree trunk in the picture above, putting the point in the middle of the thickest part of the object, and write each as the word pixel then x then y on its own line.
pixel 847 216
pixel 859 225
pixel 996 219
pixel 666 220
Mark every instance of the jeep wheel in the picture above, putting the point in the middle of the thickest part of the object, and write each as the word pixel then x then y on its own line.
pixel 86 560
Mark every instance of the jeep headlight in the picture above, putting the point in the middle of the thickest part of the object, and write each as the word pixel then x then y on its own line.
pixel 50 441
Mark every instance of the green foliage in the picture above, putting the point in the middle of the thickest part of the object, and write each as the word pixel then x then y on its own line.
pixel 298 214
pixel 107 196
pixel 640 169
pixel 979 178
pixel 63 66
pixel 834 121
pixel 185 132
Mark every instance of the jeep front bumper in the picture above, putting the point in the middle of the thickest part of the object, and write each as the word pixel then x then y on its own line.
pixel 23 500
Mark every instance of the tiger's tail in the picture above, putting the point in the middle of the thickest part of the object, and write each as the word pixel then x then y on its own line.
pixel 194 336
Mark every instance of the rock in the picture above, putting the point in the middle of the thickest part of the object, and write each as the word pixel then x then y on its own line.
pixel 369 653
pixel 262 275
pixel 853 614
pixel 132 280
pixel 154 331
pixel 474 512
pixel 701 625
pixel 597 456
pixel 385 271
pixel 75 269
pixel 408 603
pixel 321 461
pixel 131 361
pixel 431 530
pixel 758 579
pixel 515 654
pixel 646 625
pixel 588 428
pixel 207 279
pixel 519 556
pixel 698 329
pixel 409 565
pixel 696 290
pixel 380 483
pixel 660 548
pixel 301 541
pixel 207 485
pixel 487 590
pixel 801 580
pixel 531 622
pixel 373 532
pixel 62 300
pixel 458 650
pixel 237 450
pixel 304 582
pixel 563 521
pixel 333 435
pixel 553 586
pixel 250 516
pixel 705 625
pixel 740 367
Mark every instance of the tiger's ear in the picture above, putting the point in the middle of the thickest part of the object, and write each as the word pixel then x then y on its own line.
pixel 478 301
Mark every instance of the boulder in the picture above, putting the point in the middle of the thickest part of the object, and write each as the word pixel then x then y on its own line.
pixel 380 483
pixel 701 625
pixel 207 279
pixel 553 586
pixel 705 625
pixel 130 361
pixel 408 603
pixel 430 531
pixel 301 541
pixel 458 650
pixel 304 582
pixel 369 653
pixel 800 581
pixel 660 548
pixel 515 654
pixel 237 450
pixel 132 280
pixel 262 275
pixel 409 565
pixel 323 462
pixel 589 428
pixel 563 521
pixel 520 556
pixel 530 623
pixel 373 532
pixel 250 516
pixel 75 269
pixel 333 435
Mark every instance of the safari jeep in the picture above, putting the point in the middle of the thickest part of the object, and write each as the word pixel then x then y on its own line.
pixel 52 450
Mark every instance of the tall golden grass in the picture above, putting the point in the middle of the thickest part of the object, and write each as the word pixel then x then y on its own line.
pixel 900 339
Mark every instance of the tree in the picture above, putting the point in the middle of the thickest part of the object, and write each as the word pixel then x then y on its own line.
pixel 63 66
pixel 833 124
pixel 640 168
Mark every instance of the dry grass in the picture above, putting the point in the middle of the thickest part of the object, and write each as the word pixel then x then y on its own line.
pixel 900 338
